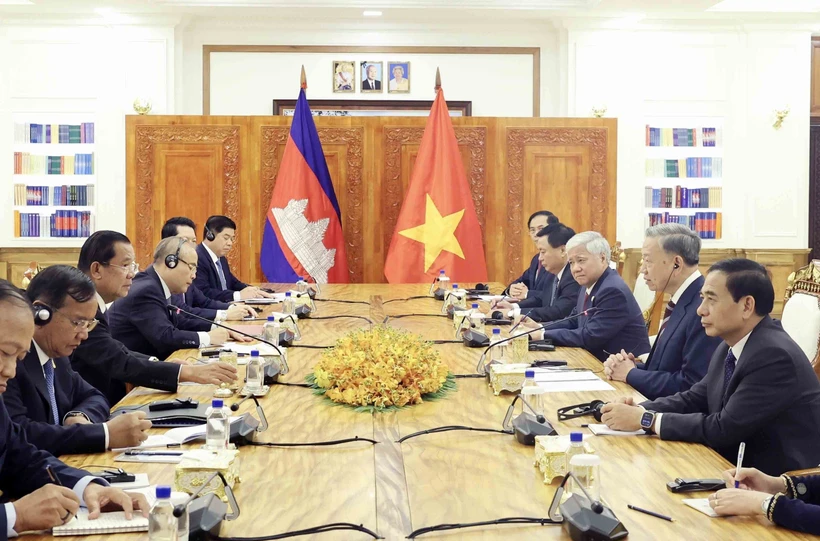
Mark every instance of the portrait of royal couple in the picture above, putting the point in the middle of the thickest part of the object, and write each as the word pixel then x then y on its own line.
pixel 344 73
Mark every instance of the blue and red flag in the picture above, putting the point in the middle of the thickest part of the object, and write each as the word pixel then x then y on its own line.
pixel 303 231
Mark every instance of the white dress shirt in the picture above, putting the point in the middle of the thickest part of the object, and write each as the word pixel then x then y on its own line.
pixel 516 308
pixel 204 338
pixel 737 351
pixel 236 294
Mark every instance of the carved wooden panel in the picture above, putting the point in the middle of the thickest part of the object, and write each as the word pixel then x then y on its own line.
pixel 814 190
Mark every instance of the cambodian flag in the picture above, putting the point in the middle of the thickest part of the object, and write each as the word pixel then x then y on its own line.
pixel 303 231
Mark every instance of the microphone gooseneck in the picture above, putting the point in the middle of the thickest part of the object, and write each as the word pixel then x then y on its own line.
pixel 180 508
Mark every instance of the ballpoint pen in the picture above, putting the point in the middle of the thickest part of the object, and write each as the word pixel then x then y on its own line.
pixel 134 452
pixel 53 476
pixel 740 452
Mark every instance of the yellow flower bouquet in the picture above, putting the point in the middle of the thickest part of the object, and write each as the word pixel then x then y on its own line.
pixel 381 369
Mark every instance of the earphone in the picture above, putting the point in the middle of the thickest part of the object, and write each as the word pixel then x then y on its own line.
pixel 209 234
pixel 42 314
pixel 172 260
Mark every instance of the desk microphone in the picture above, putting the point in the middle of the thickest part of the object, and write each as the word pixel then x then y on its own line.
pixel 304 310
pixel 205 514
pixel 481 368
pixel 263 421
pixel 282 360
pixel 583 516
pixel 527 425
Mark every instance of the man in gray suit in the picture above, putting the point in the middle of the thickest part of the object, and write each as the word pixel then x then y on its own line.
pixel 759 389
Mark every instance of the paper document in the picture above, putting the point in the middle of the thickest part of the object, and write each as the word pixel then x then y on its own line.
pixel 603 430
pixel 263 349
pixel 561 381
pixel 175 436
pixel 114 522
pixel 702 505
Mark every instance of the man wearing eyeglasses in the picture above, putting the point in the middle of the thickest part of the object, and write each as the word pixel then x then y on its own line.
pixel 59 411
pixel 107 257
pixel 142 321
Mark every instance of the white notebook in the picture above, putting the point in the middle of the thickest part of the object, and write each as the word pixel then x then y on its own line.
pixel 702 505
pixel 114 522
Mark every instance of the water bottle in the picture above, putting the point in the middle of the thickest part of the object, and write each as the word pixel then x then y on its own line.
pixel 476 319
pixel 442 283
pixel 271 330
pixel 287 305
pixel 254 371
pixel 162 524
pixel 534 394
pixel 498 354
pixel 302 285
pixel 217 426
pixel 576 447
pixel 529 380
pixel 183 522
pixel 587 469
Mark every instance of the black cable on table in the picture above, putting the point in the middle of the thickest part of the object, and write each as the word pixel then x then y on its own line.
pixel 452 428
pixel 408 299
pixel 507 520
pixel 308 531
pixel 312 444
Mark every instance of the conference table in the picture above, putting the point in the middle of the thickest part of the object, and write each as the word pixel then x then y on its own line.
pixel 449 477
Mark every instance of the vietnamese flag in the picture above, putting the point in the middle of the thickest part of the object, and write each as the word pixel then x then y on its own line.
pixel 437 226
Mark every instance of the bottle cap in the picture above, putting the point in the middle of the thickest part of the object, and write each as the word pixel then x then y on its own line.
pixel 441 272
pixel 163 492
pixel 455 286
pixel 585 460
pixel 301 278
pixel 475 306
pixel 217 403
pixel 255 353
pixel 576 436
pixel 287 294
pixel 529 373
pixel 271 318
pixel 497 331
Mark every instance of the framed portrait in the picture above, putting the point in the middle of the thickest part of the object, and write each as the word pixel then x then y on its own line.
pixel 372 72
pixel 360 107
pixel 344 76
pixel 398 74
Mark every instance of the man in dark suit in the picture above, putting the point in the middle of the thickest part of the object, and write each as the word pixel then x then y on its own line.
pixel 760 387
pixel 371 83
pixel 534 279
pixel 58 410
pixel 39 503
pixel 107 257
pixel 560 295
pixel 142 320
pixel 214 277
pixel 682 349
pixel 614 320
pixel 194 300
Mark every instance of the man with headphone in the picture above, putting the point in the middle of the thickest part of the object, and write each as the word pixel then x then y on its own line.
pixel 39 503
pixel 56 408
pixel 680 355
pixel 214 277
pixel 142 321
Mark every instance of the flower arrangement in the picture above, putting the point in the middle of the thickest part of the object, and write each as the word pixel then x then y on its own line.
pixel 381 369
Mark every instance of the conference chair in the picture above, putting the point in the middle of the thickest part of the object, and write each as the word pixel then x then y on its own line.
pixel 801 312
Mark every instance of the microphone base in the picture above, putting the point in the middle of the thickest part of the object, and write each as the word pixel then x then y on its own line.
pixel 205 515
pixel 302 311
pixel 541 345
pixel 475 339
pixel 438 294
pixel 582 523
pixel 526 427
pixel 272 373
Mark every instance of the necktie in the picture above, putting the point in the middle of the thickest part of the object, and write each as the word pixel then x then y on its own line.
pixel 729 369
pixel 667 313
pixel 221 275
pixel 554 291
pixel 48 370
pixel 586 300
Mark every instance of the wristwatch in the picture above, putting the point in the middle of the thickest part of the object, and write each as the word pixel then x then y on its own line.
pixel 647 419
pixel 76 414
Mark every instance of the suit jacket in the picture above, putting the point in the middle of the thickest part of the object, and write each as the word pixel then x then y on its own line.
pixel 27 401
pixel 536 278
pixel 366 85
pixel 143 323
pixel 23 466
pixel 772 403
pixel 198 303
pixel 207 280
pixel 802 513
pixel 616 324
pixel 108 365
pixel 681 354
pixel 538 306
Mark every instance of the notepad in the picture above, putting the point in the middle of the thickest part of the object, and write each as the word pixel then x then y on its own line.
pixel 603 430
pixel 702 505
pixel 114 522
pixel 553 381
pixel 175 436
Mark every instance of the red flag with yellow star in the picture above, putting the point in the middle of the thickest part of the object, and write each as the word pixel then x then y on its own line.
pixel 437 227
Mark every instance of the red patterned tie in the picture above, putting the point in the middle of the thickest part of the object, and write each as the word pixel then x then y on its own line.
pixel 586 300
pixel 667 313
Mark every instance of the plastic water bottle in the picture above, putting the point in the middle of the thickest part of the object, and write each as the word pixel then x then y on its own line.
pixel 476 319
pixel 534 395
pixel 587 469
pixel 271 330
pixel 162 524
pixel 217 426
pixel 529 380
pixel 498 353
pixel 576 447
pixel 442 282
pixel 255 373
pixel 183 522
pixel 287 305
pixel 302 285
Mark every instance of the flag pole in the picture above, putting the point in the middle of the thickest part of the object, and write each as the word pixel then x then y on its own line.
pixel 438 81
pixel 303 79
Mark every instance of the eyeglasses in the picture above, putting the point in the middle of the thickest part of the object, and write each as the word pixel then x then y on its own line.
pixel 79 324
pixel 534 230
pixel 133 267
pixel 191 266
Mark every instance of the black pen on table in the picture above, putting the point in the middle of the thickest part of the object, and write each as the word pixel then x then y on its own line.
pixel 651 513
pixel 53 476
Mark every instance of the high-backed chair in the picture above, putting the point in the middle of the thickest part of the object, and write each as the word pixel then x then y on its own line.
pixel 617 258
pixel 801 312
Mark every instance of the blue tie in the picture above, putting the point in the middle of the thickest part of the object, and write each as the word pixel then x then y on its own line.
pixel 48 370
pixel 554 290
pixel 729 367
pixel 221 275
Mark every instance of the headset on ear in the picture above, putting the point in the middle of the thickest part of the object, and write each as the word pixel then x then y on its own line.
pixel 42 314
pixel 209 234
pixel 172 260
pixel 676 266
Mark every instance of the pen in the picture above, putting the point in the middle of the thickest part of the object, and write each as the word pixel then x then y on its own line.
pixel 53 476
pixel 740 451
pixel 651 513
pixel 154 453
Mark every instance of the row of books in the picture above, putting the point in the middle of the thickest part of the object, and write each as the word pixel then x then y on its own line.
pixel 684 198
pixel 37 164
pixel 684 137
pixel 60 224
pixel 684 168
pixel 67 196
pixel 54 133
pixel 708 225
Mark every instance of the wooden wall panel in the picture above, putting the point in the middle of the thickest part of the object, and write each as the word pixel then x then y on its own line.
pixel 229 164
pixel 15 261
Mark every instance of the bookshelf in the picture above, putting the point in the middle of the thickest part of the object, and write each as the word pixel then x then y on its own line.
pixel 684 173
pixel 53 177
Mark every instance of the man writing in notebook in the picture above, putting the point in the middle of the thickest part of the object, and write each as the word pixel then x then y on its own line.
pixel 40 504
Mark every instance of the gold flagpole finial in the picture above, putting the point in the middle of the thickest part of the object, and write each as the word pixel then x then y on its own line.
pixel 303 79
pixel 438 80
